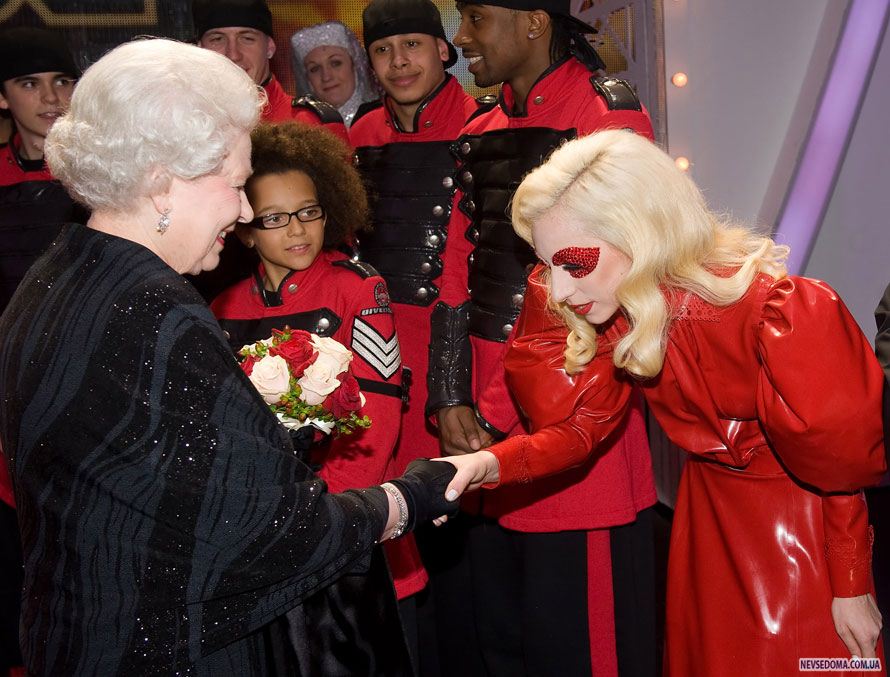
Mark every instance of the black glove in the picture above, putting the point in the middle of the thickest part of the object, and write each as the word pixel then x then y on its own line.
pixel 423 486
pixel 303 441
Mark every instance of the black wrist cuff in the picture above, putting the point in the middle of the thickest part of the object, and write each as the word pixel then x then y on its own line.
pixel 449 377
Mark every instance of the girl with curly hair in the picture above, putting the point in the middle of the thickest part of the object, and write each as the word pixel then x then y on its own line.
pixel 770 558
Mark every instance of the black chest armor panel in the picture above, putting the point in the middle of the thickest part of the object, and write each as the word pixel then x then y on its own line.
pixel 31 215
pixel 322 321
pixel 412 186
pixel 492 167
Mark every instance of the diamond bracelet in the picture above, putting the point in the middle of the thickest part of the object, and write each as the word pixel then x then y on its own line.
pixel 402 522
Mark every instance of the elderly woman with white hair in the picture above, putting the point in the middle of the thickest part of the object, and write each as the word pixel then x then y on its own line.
pixel 167 524
pixel 329 63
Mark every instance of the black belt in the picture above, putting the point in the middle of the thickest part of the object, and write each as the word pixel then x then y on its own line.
pixel 390 389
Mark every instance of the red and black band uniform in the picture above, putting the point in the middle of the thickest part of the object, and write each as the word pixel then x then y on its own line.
pixel 546 591
pixel 33 207
pixel 411 180
pixel 347 301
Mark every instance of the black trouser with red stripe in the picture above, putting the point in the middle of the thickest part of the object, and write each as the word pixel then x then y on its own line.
pixel 540 602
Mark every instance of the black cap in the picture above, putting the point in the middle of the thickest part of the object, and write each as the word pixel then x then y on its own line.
pixel 210 14
pixel 25 50
pixel 557 7
pixel 383 18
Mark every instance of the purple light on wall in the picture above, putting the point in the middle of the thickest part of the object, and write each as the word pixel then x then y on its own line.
pixel 831 129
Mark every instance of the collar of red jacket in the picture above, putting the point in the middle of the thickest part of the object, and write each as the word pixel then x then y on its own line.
pixel 565 79
pixel 16 169
pixel 437 108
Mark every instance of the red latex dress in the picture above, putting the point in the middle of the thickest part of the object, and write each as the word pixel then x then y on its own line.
pixel 777 397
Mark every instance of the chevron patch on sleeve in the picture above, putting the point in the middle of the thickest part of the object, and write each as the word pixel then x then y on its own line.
pixel 381 353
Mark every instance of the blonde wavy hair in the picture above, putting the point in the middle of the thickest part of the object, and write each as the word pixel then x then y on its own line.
pixel 628 192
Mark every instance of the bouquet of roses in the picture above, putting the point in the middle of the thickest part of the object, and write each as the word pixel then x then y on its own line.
pixel 305 379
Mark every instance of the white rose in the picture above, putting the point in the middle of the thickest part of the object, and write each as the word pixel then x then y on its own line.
pixel 333 354
pixel 270 376
pixel 318 381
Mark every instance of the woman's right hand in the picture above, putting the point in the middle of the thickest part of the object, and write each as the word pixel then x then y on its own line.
pixel 858 623
pixel 473 470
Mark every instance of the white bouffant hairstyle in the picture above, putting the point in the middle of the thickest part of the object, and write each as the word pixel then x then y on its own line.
pixel 627 192
pixel 149 108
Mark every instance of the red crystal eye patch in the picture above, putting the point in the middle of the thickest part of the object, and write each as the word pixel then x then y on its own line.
pixel 577 261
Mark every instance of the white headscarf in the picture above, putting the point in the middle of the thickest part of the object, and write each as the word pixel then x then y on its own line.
pixel 335 34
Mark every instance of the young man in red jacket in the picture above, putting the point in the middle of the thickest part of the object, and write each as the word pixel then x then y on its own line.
pixel 562 568
pixel 403 150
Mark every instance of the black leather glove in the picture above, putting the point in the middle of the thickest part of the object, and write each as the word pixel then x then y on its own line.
pixel 423 486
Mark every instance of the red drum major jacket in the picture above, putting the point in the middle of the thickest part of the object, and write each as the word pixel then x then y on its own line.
pixel 348 302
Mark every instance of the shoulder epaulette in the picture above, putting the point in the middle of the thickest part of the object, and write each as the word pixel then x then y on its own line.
pixel 360 268
pixel 484 104
pixel 325 111
pixel 366 108
pixel 619 95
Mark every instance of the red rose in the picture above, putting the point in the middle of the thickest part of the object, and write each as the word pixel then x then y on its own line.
pixel 346 398
pixel 297 352
pixel 247 364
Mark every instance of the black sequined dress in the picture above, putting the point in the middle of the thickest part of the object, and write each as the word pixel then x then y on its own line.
pixel 166 523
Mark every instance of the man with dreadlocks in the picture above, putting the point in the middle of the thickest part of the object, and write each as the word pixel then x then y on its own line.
pixel 562 568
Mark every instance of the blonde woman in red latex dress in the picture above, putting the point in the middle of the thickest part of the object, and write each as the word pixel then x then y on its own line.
pixel 764 378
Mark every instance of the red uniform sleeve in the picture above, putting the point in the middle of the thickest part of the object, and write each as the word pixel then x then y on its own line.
pixel 360 460
pixel 495 403
pixel 570 416
pixel 819 400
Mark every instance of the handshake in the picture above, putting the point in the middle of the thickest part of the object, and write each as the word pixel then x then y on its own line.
pixel 429 489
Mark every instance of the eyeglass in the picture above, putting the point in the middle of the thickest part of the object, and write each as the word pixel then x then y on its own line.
pixel 281 219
